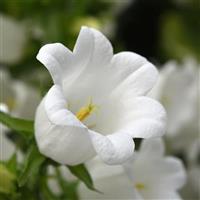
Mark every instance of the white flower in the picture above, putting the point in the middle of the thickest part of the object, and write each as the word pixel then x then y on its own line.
pixel 156 176
pixel 97 104
pixel 177 89
pixel 110 180
pixel 13 40
pixel 147 175
pixel 19 100
pixel 7 148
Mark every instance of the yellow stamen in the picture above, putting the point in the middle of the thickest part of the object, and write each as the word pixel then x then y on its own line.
pixel 85 111
pixel 140 186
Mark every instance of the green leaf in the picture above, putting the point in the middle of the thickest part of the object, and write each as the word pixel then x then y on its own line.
pixel 81 172
pixel 32 166
pixel 180 30
pixel 12 163
pixel 7 180
pixel 20 125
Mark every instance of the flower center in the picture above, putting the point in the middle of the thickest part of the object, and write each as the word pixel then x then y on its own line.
pixel 140 186
pixel 85 111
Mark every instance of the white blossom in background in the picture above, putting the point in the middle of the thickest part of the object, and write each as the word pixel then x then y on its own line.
pixel 192 188
pixel 177 89
pixel 156 176
pixel 19 100
pixel 6 146
pixel 110 180
pixel 97 103
pixel 147 175
pixel 12 41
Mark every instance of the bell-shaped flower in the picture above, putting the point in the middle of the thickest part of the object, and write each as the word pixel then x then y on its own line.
pixel 147 175
pixel 178 90
pixel 154 175
pixel 97 103
pixel 7 148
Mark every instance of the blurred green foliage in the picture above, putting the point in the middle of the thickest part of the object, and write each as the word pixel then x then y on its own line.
pixel 180 31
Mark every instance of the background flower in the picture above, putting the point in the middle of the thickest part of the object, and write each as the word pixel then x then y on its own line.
pixel 148 174
pixel 18 99
pixel 177 89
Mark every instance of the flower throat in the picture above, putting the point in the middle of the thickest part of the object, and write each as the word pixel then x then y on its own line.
pixel 85 111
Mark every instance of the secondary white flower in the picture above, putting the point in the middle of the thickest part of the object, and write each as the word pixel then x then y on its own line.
pixel 148 175
pixel 14 98
pixel 13 40
pixel 177 89
pixel 156 176
pixel 7 148
pixel 110 180
pixel 97 104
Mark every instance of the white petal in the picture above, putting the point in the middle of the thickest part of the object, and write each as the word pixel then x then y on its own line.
pixel 59 134
pixel 161 195
pixel 83 51
pixel 154 147
pixel 16 94
pixel 113 149
pixel 25 95
pixel 138 83
pixel 84 47
pixel 95 56
pixel 173 173
pixel 145 118
pixel 156 173
pixel 110 180
pixel 92 52
pixel 4 108
pixel 124 64
pixel 173 79
pixel 56 58
pixel 103 51
pixel 164 75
